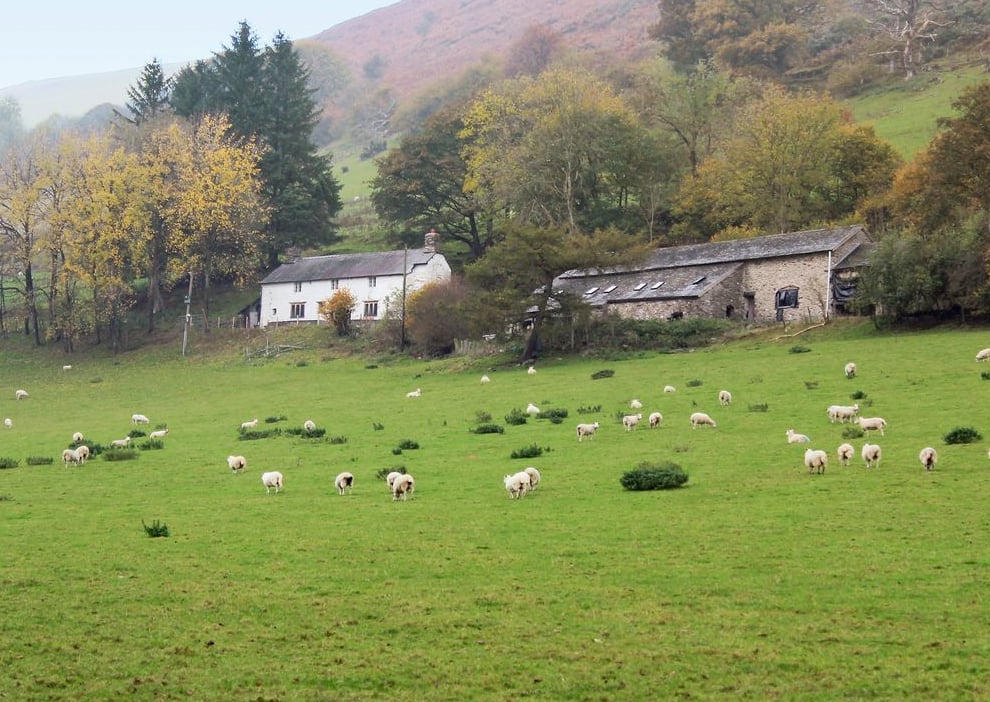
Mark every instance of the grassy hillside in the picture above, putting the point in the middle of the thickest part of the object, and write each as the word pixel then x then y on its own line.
pixel 756 580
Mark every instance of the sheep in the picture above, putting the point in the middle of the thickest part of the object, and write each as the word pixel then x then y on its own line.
pixel 272 479
pixel 66 367
pixel 414 393
pixel 250 425
pixel 850 370
pixel 83 452
pixel 532 370
pixel 815 460
pixel 309 425
pixel 655 420
pixel 344 483
pixel 795 438
pixel 158 434
pixel 139 419
pixel 928 458
pixel 983 355
pixel 70 456
pixel 8 422
pixel 588 430
pixel 871 454
pixel 842 413
pixel 121 443
pixel 391 478
pixel 872 424
pixel 403 486
pixel 700 419
pixel 636 404
pixel 20 394
pixel 77 437
pixel 845 453
pixel 631 420
pixel 517 484
pixel 669 388
pixel 238 464
pixel 532 409
pixel 534 477
pixel 485 380
pixel 724 397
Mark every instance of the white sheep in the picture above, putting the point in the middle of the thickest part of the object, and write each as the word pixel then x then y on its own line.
pixel 532 409
pixel 70 456
pixel 8 422
pixel 794 438
pixel 344 483
pixel 655 419
pixel 414 393
pixel 532 370
pixel 309 425
pixel 66 367
pixel 534 477
pixel 250 425
pixel 928 458
pixel 872 424
pixel 403 486
pixel 272 479
pixel 391 478
pixel 158 434
pixel 724 397
pixel 485 380
pixel 871 454
pixel 845 453
pixel 139 419
pixel 669 388
pixel 588 430
pixel 121 443
pixel 83 452
pixel 815 460
pixel 635 404
pixel 842 413
pixel 20 394
pixel 238 464
pixel 983 355
pixel 517 484
pixel 631 420
pixel 700 419
pixel 850 370
pixel 77 437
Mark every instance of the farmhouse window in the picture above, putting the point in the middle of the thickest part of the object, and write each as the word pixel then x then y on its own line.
pixel 371 309
pixel 372 281
pixel 334 284
pixel 787 297
pixel 297 287
pixel 297 310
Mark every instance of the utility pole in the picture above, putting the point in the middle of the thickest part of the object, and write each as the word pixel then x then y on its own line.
pixel 402 321
pixel 185 328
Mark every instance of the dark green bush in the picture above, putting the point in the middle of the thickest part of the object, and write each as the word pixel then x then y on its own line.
pixel 119 454
pixel 858 395
pixel 156 529
pixel 558 413
pixel 382 473
pixel 488 429
pixel 152 445
pixel 694 383
pixel 302 363
pixel 253 434
pixel 8 463
pixel 649 476
pixel 94 448
pixel 39 460
pixel 273 420
pixel 482 417
pixel 605 373
pixel 136 433
pixel 761 407
pixel 962 435
pixel 408 444
pixel 985 375
pixel 852 432
pixel 516 417
pixel 531 451
pixel 811 384
pixel 593 409
pixel 338 440
pixel 377 427
pixel 799 349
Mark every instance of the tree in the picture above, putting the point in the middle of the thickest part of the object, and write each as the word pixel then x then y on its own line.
pixel 337 310
pixel 908 24
pixel 435 316
pixel 533 52
pixel 149 98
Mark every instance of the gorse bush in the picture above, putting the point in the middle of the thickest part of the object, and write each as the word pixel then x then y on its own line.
pixel 273 420
pixel 382 473
pixel 591 409
pixel 694 383
pixel 8 463
pixel 136 433
pixel 516 417
pixel 604 373
pixel 152 445
pixel 649 476
pixel 852 432
pixel 488 429
pixel 408 444
pixel 119 454
pixel 799 349
pixel 337 440
pixel 858 395
pixel 962 435
pixel 482 417
pixel 254 434
pixel 156 529
pixel 39 460
pixel 760 407
pixel 531 451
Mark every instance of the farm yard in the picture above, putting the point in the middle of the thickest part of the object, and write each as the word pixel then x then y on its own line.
pixel 755 580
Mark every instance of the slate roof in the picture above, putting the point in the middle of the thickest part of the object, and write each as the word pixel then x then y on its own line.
pixel 344 266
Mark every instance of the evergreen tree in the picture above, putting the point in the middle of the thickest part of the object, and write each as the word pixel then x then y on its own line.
pixel 149 97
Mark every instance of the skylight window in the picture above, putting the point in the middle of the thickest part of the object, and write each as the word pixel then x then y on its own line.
pixel 656 286
pixel 609 289
pixel 640 286
pixel 591 291
pixel 700 280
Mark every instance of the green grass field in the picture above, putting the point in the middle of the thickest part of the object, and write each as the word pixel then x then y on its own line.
pixel 754 581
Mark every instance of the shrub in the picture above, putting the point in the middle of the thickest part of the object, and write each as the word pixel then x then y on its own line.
pixel 852 432
pixel 694 383
pixel 605 373
pixel 649 476
pixel 559 414
pixel 962 435
pixel 515 417
pixel 39 460
pixel 488 429
pixel 119 454
pixel 761 407
pixel 482 417
pixel 811 384
pixel 377 427
pixel 156 529
pixel 136 433
pixel 302 363
pixel 799 349
pixel 272 420
pixel 152 445
pixel 531 451
pixel 985 375
pixel 383 472
pixel 8 463
pixel 594 409
pixel 858 395
pixel 94 448
pixel 6 498
pixel 336 440
pixel 408 444
pixel 253 434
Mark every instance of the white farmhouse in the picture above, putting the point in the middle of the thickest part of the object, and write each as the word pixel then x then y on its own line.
pixel 292 292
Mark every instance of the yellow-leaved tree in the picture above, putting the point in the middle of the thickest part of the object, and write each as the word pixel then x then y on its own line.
pixel 337 310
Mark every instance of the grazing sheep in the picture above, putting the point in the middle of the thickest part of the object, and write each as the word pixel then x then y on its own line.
pixel 139 419
pixel 795 438
pixel 724 397
pixel 70 456
pixel 517 484
pixel 850 370
pixel 66 368
pixel 485 380
pixel 238 464
pixel 872 424
pixel 700 419
pixel 871 454
pixel 655 420
pixel 344 483
pixel 121 443
pixel 403 486
pixel 532 370
pixel 83 452
pixel 928 458
pixel 158 434
pixel 842 413
pixel 8 422
pixel 815 460
pixel 534 477
pixel 845 453
pixel 20 394
pixel 309 425
pixel 77 437
pixel 532 409
pixel 588 430
pixel 414 393
pixel 250 425
pixel 636 404
pixel 272 479
pixel 669 388
pixel 631 420
pixel 391 478
pixel 983 355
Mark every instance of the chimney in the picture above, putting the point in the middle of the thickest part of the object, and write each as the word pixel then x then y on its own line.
pixel 431 242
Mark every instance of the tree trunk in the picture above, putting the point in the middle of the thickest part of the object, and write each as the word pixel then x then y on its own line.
pixel 30 299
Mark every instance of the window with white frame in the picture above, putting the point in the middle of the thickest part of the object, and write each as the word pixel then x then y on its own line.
pixel 297 310
pixel 371 309
pixel 372 281
pixel 334 283
pixel 297 286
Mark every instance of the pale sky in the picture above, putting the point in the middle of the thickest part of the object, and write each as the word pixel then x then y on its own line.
pixel 41 40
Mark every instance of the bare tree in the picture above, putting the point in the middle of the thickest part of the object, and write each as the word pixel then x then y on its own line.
pixel 909 23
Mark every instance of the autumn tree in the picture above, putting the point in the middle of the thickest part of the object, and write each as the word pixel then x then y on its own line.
pixel 436 317
pixel 533 52
pixel 908 24
pixel 338 309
